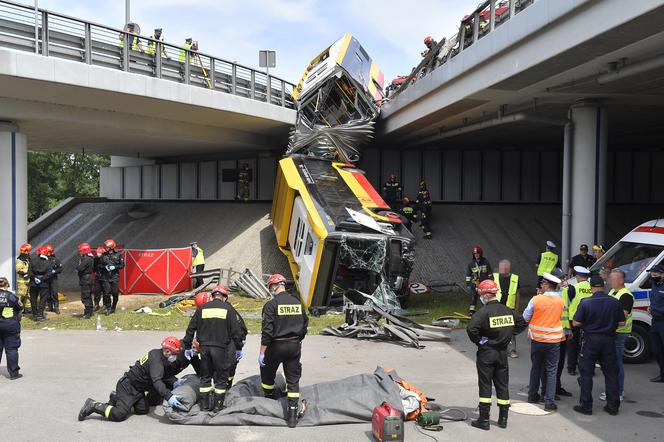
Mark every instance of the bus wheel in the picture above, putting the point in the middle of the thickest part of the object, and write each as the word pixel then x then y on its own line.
pixel 637 345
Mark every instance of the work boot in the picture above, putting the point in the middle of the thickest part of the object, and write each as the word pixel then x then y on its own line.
pixel 113 398
pixel 107 311
pixel 204 401
pixel 502 416
pixel 269 393
pixel 56 308
pixel 91 406
pixel 291 417
pixel 218 402
pixel 482 422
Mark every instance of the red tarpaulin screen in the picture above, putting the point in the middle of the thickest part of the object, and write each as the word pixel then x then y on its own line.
pixel 160 271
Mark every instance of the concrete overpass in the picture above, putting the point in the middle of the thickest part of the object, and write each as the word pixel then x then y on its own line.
pixel 569 76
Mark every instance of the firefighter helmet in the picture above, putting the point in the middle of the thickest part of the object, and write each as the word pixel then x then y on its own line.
pixel 220 289
pixel 478 250
pixel 488 286
pixel 202 298
pixel 109 243
pixel 84 248
pixel 100 251
pixel 49 249
pixel 428 40
pixel 171 343
pixel 26 248
pixel 276 279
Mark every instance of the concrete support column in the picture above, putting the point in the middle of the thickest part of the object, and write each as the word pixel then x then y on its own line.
pixel 13 198
pixel 587 192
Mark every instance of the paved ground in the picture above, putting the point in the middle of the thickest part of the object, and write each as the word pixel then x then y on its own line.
pixel 62 368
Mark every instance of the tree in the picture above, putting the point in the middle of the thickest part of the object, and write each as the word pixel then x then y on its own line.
pixel 54 176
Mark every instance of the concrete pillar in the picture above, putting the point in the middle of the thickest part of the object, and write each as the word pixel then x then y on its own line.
pixel 13 198
pixel 588 180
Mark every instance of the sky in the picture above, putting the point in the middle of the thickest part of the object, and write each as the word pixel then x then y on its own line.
pixel 391 31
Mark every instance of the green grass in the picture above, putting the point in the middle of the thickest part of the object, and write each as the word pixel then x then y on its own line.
pixel 438 304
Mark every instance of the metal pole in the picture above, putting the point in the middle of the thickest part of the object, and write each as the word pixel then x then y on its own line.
pixel 36 26
pixel 127 11
pixel 492 18
pixel 567 193
pixel 211 73
pixel 476 26
pixel 512 8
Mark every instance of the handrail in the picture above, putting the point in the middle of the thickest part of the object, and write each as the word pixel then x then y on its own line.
pixel 95 44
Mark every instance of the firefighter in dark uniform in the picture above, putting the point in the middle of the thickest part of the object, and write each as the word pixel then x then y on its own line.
pixel 40 272
pixel 477 271
pixel 423 206
pixel 56 269
pixel 491 329
pixel 243 180
pixel 151 372
pixel 216 327
pixel 392 191
pixel 111 262
pixel 408 212
pixel 98 287
pixel 85 267
pixel 10 328
pixel 284 327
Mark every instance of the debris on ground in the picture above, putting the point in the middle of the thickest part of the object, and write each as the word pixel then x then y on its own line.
pixel 252 285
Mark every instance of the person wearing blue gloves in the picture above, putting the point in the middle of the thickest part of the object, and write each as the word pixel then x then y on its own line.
pixel 152 372
pixel 111 263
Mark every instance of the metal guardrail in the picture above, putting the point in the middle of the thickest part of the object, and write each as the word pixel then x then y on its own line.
pixel 52 34
pixel 485 19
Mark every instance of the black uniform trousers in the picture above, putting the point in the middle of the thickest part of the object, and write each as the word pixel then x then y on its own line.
pixel 214 366
pixel 128 400
pixel 657 339
pixel 39 296
pixel 232 365
pixel 600 348
pixel 53 300
pixel 492 369
pixel 473 298
pixel 288 353
pixel 86 298
pixel 111 288
pixel 10 341
pixel 574 348
pixel 198 281
pixel 97 291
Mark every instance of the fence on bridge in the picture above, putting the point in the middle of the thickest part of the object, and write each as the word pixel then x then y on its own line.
pixel 57 35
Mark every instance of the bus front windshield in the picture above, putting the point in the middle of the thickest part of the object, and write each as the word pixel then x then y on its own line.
pixel 631 258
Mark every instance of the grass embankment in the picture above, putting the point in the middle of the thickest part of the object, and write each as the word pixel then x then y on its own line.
pixel 175 319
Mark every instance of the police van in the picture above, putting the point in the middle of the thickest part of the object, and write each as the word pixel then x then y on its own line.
pixel 634 254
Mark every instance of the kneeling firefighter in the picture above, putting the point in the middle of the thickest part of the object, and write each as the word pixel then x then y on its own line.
pixel 491 329
pixel 146 383
pixel 284 327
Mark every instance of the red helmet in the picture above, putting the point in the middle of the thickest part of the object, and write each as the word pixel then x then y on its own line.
pixel 171 343
pixel 49 249
pixel 487 286
pixel 201 298
pixel 405 201
pixel 109 243
pixel 478 250
pixel 84 248
pixel 221 289
pixel 276 279
pixel 428 40
pixel 196 345
pixel 42 250
pixel 100 251
pixel 25 248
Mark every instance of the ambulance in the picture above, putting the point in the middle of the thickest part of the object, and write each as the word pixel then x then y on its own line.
pixel 635 254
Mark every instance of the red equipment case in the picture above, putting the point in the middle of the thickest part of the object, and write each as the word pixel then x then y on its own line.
pixel 387 423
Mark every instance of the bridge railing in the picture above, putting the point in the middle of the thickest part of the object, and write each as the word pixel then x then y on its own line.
pixel 482 21
pixel 53 34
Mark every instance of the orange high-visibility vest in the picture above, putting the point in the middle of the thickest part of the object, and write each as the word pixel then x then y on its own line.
pixel 545 325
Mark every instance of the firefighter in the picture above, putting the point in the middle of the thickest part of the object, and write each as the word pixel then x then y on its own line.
pixel 547 261
pixel 40 272
pixel 423 206
pixel 477 271
pixel 84 268
pixel 243 180
pixel 153 372
pixel 111 262
pixel 408 212
pixel 56 269
pixel 23 276
pixel 197 262
pixel 491 329
pixel 98 287
pixel 392 191
pixel 284 327
pixel 216 327
pixel 508 292
pixel 572 297
pixel 430 43
pixel 10 328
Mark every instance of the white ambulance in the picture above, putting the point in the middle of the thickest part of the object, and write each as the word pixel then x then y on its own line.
pixel 634 254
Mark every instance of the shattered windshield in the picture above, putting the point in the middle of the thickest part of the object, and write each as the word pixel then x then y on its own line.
pixel 631 258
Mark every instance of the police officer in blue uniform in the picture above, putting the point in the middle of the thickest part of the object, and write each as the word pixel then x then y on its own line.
pixel 598 316
pixel 657 311
pixel 10 328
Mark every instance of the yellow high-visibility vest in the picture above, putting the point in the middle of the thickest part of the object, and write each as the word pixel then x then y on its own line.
pixel 185 47
pixel 548 261
pixel 199 258
pixel 582 290
pixel 511 292
pixel 627 328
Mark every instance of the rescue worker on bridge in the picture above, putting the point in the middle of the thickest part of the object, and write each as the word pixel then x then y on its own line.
pixel 216 327
pixel 408 212
pixel 98 288
pixel 599 316
pixel 656 310
pixel 111 262
pixel 423 207
pixel 546 332
pixel 10 328
pixel 40 272
pixel 56 269
pixel 477 271
pixel 243 180
pixel 430 43
pixel 188 47
pixel 583 259
pixel 134 42
pixel 152 45
pixel 508 292
pixel 547 261
pixel 197 262
pixel 23 276
pixel 572 297
pixel 392 191
pixel 491 329
pixel 84 268
pixel 284 327
pixel 149 381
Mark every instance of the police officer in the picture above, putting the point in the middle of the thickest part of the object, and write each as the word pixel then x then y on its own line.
pixel 599 316
pixel 98 286
pixel 392 191
pixel 547 261
pixel 656 309
pixel 508 291
pixel 423 206
pixel 284 327
pixel 491 329
pixel 40 272
pixel 150 373
pixel 583 259
pixel 243 180
pixel 84 268
pixel 216 327
pixel 408 212
pixel 197 262
pixel 572 297
pixel 23 276
pixel 111 262
pixel 477 271
pixel 56 269
pixel 10 328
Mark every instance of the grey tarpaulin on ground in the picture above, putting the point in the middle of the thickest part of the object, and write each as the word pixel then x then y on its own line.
pixel 344 401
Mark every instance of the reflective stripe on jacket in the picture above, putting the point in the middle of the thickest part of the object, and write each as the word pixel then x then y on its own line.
pixel 545 325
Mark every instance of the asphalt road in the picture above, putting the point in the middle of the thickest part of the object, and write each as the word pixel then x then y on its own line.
pixel 62 368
